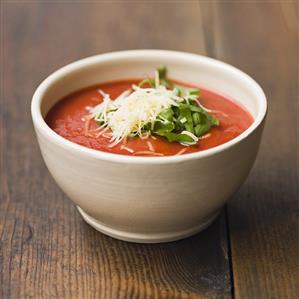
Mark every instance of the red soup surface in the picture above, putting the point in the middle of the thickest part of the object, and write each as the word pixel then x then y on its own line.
pixel 66 119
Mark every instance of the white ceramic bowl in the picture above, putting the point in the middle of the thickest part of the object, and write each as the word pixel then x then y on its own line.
pixel 149 199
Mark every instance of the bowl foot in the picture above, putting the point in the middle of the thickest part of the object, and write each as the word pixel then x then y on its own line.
pixel 145 237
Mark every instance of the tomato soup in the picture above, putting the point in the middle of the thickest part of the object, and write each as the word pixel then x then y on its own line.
pixel 68 119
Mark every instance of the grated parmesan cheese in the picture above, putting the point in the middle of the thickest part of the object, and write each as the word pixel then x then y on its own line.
pixel 148 153
pixel 190 135
pixel 150 146
pixel 131 111
pixel 128 149
pixel 182 151
pixel 210 110
pixel 183 120
pixel 205 136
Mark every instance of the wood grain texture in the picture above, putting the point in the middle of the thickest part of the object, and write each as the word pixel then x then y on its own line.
pixel 263 217
pixel 46 250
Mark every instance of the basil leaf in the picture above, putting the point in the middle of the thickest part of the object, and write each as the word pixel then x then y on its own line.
pixel 196 118
pixel 176 111
pixel 161 127
pixel 186 91
pixel 162 71
pixel 213 120
pixel 185 112
pixel 201 129
pixel 188 116
pixel 167 114
pixel 147 81
pixel 174 137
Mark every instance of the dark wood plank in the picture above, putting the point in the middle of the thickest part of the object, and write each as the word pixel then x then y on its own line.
pixel 47 251
pixel 262 39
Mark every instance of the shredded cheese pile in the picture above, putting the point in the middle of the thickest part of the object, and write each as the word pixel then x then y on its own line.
pixel 131 111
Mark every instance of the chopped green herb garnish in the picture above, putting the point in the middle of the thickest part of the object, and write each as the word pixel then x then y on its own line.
pixel 186 116
pixel 148 81
pixel 162 108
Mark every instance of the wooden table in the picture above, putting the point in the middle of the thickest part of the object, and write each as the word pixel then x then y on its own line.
pixel 250 251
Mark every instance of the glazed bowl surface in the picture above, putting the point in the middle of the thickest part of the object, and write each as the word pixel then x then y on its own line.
pixel 149 199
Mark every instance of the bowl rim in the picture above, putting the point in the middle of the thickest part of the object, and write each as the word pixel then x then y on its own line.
pixel 40 124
